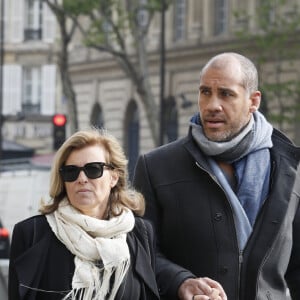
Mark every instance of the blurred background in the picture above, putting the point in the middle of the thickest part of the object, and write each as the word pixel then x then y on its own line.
pixel 131 67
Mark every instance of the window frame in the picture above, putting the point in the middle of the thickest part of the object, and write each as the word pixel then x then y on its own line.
pixel 33 20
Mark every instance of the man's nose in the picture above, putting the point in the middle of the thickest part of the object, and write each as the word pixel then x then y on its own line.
pixel 214 103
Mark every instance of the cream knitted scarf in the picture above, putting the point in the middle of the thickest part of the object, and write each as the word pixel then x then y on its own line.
pixel 101 253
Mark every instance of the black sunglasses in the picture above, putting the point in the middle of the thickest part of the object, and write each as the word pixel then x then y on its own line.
pixel 92 170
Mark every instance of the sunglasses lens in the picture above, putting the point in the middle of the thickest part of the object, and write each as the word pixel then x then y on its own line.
pixel 93 170
pixel 69 173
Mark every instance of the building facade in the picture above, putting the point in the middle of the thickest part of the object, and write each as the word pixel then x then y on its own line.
pixel 30 85
pixel 195 30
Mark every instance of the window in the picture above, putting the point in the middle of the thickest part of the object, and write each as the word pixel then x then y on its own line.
pixel 33 20
pixel 97 120
pixel 221 16
pixel 132 127
pixel 31 90
pixel 179 19
pixel 171 119
pixel 12 78
pixel 28 20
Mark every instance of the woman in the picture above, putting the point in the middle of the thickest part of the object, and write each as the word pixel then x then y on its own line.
pixel 88 242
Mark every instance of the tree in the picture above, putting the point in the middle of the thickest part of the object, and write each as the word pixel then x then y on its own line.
pixel 275 42
pixel 67 28
pixel 120 28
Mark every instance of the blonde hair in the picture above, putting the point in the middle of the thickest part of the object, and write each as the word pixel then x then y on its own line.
pixel 121 195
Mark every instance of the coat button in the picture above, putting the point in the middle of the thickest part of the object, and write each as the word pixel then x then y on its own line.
pixel 223 270
pixel 218 216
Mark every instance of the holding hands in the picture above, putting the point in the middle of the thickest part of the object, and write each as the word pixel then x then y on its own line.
pixel 201 289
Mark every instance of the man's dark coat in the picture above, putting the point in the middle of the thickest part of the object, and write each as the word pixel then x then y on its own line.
pixel 195 225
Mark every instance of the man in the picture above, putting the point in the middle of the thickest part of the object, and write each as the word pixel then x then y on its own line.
pixel 220 198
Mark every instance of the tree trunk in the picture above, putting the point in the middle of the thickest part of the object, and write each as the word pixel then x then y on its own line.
pixel 63 64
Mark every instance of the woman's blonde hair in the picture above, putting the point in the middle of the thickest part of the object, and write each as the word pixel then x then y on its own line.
pixel 121 194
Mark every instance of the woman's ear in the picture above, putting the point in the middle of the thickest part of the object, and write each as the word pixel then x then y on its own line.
pixel 114 177
pixel 255 99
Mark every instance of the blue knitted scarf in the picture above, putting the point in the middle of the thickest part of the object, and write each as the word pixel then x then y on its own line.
pixel 249 154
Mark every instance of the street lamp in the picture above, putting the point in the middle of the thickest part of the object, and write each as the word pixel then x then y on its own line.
pixel 1 69
pixel 162 74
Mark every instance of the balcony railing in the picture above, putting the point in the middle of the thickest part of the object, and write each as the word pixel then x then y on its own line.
pixel 32 34
pixel 30 108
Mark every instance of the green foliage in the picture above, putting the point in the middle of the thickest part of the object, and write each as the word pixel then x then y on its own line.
pixel 276 25
pixel 78 7
pixel 120 28
pixel 110 21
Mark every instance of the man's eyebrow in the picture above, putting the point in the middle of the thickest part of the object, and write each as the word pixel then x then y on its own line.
pixel 225 88
pixel 228 90
pixel 203 86
pixel 222 88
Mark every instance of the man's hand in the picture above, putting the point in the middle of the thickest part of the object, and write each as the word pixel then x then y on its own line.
pixel 201 289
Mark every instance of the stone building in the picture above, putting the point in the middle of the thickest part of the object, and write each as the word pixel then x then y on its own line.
pixel 30 83
pixel 195 30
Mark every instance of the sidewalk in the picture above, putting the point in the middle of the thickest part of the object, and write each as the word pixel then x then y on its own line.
pixel 3 278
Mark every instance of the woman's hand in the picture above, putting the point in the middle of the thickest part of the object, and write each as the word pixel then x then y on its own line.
pixel 201 289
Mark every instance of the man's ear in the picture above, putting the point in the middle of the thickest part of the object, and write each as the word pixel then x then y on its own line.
pixel 255 99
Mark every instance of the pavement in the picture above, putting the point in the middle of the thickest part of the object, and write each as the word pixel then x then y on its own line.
pixel 3 278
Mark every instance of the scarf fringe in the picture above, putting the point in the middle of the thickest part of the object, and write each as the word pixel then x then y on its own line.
pixel 94 241
pixel 96 291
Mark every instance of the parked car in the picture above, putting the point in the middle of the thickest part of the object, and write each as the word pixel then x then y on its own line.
pixel 4 242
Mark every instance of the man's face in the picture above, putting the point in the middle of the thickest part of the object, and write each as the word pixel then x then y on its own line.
pixel 225 106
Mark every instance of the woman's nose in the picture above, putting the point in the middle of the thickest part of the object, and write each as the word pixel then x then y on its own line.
pixel 82 177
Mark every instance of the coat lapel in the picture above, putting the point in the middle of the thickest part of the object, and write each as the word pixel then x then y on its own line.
pixel 141 264
pixel 29 267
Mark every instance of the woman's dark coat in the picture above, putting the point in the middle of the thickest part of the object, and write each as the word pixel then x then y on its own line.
pixel 39 260
pixel 195 224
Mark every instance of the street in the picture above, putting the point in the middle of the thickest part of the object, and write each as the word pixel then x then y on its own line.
pixel 20 195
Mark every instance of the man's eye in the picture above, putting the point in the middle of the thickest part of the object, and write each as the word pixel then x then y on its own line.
pixel 226 94
pixel 204 92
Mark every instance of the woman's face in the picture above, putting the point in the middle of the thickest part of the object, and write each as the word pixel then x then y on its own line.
pixel 90 196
